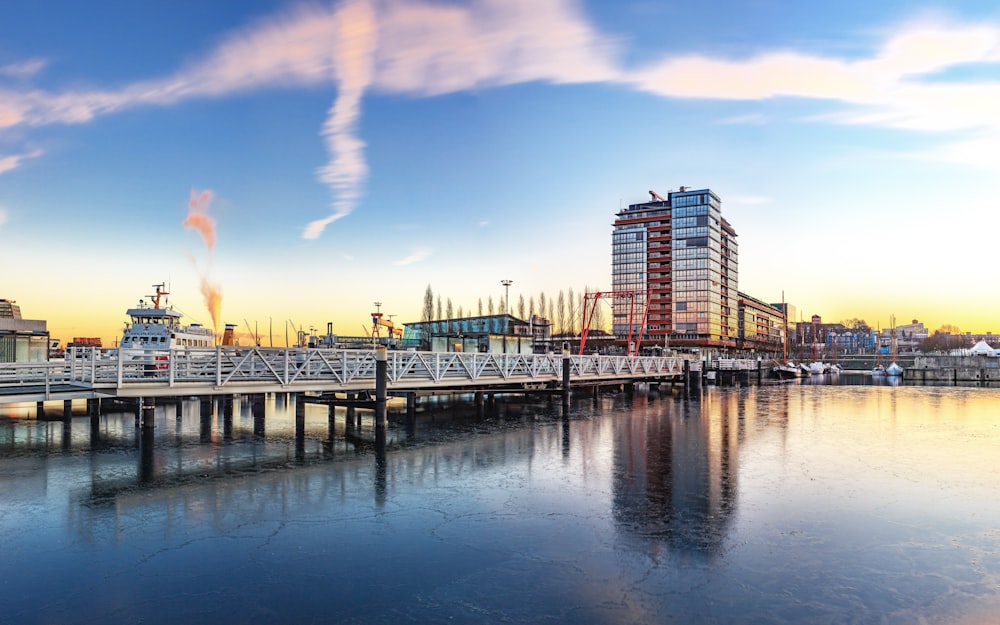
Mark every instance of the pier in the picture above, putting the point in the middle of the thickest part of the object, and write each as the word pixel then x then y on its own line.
pixel 88 373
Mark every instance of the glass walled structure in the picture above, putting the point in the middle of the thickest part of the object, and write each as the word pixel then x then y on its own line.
pixel 21 340
pixel 682 255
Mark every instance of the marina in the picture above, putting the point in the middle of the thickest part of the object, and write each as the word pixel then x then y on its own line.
pixel 781 503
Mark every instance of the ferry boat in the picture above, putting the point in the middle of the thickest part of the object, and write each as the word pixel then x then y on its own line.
pixel 156 327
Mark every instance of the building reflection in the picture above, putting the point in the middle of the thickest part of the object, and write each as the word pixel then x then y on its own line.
pixel 675 477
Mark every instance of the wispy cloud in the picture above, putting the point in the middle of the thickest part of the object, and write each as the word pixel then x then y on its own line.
pixel 24 69
pixel 981 153
pixel 416 256
pixel 13 161
pixel 748 200
pixel 754 119
pixel 354 49
pixel 423 48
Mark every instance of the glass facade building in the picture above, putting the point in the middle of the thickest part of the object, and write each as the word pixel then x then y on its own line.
pixel 680 254
pixel 21 340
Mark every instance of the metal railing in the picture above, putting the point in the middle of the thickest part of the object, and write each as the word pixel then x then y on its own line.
pixel 254 369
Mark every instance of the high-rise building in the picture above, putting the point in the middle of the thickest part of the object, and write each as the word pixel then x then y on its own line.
pixel 680 256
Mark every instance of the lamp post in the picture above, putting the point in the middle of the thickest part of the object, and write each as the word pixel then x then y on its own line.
pixel 506 309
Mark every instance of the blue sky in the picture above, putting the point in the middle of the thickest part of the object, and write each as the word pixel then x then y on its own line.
pixel 358 151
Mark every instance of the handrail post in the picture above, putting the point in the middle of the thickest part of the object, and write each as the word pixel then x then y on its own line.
pixel 218 366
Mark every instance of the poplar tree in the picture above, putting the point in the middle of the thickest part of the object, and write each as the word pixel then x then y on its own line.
pixel 573 308
pixel 520 306
pixel 428 312
pixel 561 307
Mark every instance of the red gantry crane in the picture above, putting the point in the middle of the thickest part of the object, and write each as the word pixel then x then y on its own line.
pixel 588 316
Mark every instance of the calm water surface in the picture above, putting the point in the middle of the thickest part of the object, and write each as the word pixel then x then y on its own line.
pixel 773 504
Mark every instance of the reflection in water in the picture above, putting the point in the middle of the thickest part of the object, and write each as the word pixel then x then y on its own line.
pixel 808 503
pixel 670 483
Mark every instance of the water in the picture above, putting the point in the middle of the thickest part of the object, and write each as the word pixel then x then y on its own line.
pixel 776 504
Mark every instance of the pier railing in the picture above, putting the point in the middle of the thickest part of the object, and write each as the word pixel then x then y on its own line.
pixel 253 369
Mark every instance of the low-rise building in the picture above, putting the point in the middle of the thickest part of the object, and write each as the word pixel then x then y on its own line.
pixel 21 340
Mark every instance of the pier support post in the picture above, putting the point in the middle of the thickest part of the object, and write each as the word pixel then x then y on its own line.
pixel 566 363
pixel 40 410
pixel 257 409
pixel 67 409
pixel 687 377
pixel 147 408
pixel 381 379
pixel 300 429
pixel 411 406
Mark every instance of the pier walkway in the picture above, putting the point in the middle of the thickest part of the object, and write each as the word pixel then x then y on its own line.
pixel 93 374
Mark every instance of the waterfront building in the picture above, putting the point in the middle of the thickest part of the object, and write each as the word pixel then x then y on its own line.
pixel 21 340
pixel 761 326
pixel 679 257
pixel 490 333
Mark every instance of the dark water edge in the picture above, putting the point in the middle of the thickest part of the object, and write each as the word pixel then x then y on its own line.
pixel 793 503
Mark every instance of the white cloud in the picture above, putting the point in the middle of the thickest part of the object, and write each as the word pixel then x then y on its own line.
pixel 981 153
pixel 14 161
pixel 748 200
pixel 415 256
pixel 755 119
pixel 425 48
pixel 24 69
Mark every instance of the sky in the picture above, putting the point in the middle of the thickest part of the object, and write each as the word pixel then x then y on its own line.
pixel 291 163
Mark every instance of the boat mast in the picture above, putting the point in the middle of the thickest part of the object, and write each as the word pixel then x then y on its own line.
pixel 784 336
pixel 159 292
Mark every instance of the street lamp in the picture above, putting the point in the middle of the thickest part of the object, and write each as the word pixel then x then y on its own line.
pixel 506 308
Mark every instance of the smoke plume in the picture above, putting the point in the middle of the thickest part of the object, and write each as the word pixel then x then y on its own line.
pixel 198 219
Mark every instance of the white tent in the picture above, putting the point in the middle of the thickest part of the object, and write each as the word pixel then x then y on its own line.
pixel 982 348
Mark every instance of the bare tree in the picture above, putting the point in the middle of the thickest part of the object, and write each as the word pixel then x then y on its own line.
pixel 541 305
pixel 572 312
pixel 561 307
pixel 531 305
pixel 480 307
pixel 448 310
pixel 489 305
pixel 428 312
pixel 520 306
pixel 439 315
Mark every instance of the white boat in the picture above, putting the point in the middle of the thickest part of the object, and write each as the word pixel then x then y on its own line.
pixel 894 369
pixel 817 368
pixel 878 371
pixel 154 329
pixel 786 371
